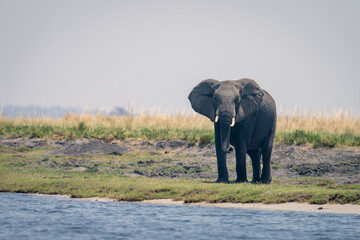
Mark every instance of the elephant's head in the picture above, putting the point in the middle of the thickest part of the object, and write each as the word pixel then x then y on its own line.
pixel 226 103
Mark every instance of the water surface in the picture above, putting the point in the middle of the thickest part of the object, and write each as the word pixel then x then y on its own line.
pixel 25 216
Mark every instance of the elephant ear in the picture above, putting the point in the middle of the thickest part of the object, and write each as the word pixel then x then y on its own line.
pixel 201 98
pixel 251 97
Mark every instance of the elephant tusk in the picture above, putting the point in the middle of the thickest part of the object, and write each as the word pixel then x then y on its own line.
pixel 216 118
pixel 233 122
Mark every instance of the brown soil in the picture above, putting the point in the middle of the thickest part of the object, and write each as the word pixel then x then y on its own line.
pixel 176 158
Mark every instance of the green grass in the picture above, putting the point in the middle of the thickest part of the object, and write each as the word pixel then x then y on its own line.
pixel 19 172
pixel 88 184
pixel 322 139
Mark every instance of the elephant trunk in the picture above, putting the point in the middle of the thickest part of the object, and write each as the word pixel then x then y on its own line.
pixel 225 116
pixel 225 136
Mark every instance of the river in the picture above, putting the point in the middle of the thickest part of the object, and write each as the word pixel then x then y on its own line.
pixel 24 216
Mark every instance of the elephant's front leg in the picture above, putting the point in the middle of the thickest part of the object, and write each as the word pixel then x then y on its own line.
pixel 221 157
pixel 241 165
pixel 222 169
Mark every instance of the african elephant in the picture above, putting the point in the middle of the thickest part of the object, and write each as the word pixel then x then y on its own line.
pixel 244 116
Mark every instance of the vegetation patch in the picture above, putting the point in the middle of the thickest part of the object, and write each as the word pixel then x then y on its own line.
pixel 135 176
pixel 338 130
pixel 88 184
pixel 322 139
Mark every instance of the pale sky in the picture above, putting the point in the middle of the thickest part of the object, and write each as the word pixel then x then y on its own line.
pixel 152 53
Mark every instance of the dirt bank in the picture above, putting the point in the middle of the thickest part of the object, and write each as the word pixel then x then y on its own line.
pixel 293 206
pixel 176 158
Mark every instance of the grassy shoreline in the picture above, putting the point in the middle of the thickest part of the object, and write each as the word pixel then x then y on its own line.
pixel 30 170
pixel 86 185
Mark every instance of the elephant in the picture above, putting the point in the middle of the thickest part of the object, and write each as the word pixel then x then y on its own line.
pixel 244 117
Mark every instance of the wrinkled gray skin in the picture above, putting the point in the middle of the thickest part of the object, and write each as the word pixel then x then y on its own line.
pixel 254 113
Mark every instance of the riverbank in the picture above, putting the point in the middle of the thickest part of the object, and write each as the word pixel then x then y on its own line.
pixel 134 170
pixel 291 206
pixel 177 159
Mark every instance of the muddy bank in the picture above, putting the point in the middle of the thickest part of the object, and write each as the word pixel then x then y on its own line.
pixel 87 146
pixel 177 159
pixel 293 206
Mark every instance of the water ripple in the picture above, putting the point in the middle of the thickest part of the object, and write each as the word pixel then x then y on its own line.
pixel 34 217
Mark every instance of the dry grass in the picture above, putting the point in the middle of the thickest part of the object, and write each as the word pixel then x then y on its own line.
pixel 334 122
pixel 190 128
pixel 298 127
pixel 159 121
pixel 338 121
pixel 127 122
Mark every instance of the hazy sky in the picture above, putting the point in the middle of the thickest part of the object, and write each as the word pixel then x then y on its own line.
pixel 152 53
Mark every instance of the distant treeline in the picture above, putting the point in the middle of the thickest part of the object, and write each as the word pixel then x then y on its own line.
pixel 32 111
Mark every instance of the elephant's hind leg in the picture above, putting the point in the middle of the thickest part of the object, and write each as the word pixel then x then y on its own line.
pixel 255 156
pixel 266 149
pixel 266 170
